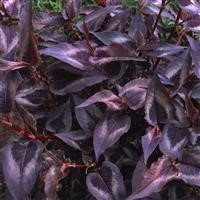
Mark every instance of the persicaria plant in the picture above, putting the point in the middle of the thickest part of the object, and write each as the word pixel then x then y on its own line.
pixel 100 101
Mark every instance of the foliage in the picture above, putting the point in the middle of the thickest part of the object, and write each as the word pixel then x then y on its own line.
pixel 102 100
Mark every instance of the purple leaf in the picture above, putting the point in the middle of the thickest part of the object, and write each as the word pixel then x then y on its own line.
pixel 10 65
pixel 60 119
pixel 113 52
pixel 178 69
pixel 71 138
pixel 153 7
pixel 138 173
pixel 31 95
pixel 21 166
pixel 189 174
pixel 27 45
pixel 134 93
pixel 108 184
pixel 173 140
pixel 109 130
pixel 150 141
pixel 181 119
pixel 105 96
pixel 44 19
pixel 95 19
pixel 117 22
pixel 190 6
pixel 190 156
pixel 9 35
pixel 24 119
pixel 9 39
pixel 195 48
pixel 51 180
pixel 160 173
pixel 71 8
pixel 137 30
pixel 6 101
pixel 88 116
pixel 79 84
pixel 194 135
pixel 158 106
pixel 109 37
pixel 193 23
pixel 76 54
pixel 161 49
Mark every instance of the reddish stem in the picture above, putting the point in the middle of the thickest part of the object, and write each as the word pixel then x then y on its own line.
pixel 77 166
pixel 181 34
pixel 26 134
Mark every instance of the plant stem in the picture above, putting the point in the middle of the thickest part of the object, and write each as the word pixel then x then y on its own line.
pixel 159 14
pixel 25 133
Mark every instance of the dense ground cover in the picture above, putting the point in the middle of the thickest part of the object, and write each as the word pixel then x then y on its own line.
pixel 100 99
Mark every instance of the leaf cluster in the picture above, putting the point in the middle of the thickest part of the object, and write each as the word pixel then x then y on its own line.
pixel 100 101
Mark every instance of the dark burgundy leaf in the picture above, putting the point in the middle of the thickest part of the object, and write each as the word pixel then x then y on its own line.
pixel 178 69
pixel 117 22
pixel 109 37
pixel 153 8
pixel 24 119
pixel 138 173
pixel 9 39
pixel 173 140
pixel 6 101
pixel 193 23
pixel 115 70
pixel 150 141
pixel 181 119
pixel 161 49
pixel 194 135
pixel 137 30
pixel 10 65
pixel 189 174
pixel 190 6
pixel 71 8
pixel 60 119
pixel 160 173
pixel 72 137
pixel 195 92
pixel 108 184
pixel 27 49
pixel 195 48
pixel 105 96
pixel 52 178
pixel 113 52
pixel 76 54
pixel 158 106
pixel 44 19
pixel 79 84
pixel 192 111
pixel 53 35
pixel 164 80
pixel 95 19
pixel 9 34
pixel 134 93
pixel 88 116
pixel 190 156
pixel 21 166
pixel 31 95
pixel 109 130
